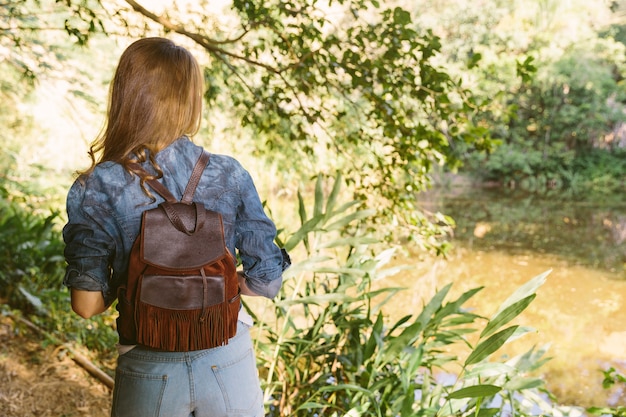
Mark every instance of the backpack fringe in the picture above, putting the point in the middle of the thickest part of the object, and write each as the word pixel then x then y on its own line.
pixel 184 330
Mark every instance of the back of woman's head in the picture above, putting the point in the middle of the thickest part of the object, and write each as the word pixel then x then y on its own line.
pixel 155 97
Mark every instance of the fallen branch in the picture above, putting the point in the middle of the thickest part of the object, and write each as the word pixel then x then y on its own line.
pixel 78 358
pixel 90 367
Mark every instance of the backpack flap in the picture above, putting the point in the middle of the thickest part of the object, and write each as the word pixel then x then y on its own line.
pixel 199 243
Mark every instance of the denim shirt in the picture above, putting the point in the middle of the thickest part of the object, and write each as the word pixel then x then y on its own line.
pixel 104 219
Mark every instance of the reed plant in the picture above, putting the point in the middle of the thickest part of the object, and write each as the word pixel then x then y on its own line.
pixel 326 347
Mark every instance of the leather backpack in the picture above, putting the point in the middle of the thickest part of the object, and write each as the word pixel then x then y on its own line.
pixel 182 292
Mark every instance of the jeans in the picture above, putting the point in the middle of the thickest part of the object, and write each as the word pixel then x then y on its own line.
pixel 218 382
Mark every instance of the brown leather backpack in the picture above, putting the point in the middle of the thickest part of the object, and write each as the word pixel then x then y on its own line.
pixel 182 292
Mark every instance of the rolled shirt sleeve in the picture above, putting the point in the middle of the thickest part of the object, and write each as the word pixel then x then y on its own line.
pixel 263 261
pixel 88 246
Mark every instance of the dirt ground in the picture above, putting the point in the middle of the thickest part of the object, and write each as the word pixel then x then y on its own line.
pixel 44 381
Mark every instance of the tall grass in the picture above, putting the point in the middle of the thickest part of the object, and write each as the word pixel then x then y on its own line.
pixel 327 349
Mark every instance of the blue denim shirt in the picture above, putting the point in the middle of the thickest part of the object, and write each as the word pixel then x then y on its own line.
pixel 104 219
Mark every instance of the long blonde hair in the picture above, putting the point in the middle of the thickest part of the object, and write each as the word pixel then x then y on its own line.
pixel 155 98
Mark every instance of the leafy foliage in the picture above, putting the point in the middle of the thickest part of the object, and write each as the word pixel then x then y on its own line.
pixel 326 348
pixel 611 378
pixel 30 250
pixel 32 264
pixel 555 94
pixel 320 86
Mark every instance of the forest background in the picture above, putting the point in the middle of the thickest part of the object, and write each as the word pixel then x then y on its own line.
pixel 344 112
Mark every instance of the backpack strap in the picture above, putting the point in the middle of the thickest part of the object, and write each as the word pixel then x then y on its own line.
pixel 196 174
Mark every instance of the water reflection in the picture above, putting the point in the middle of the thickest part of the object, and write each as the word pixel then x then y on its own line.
pixel 591 233
pixel 503 241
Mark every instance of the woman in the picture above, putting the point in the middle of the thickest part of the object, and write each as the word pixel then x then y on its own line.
pixel 154 107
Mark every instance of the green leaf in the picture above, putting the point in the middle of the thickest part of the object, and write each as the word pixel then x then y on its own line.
pixel 301 208
pixel 401 17
pixel 332 198
pixel 349 241
pixel 309 405
pixel 302 233
pixel 476 391
pixel 490 345
pixel 524 291
pixel 357 215
pixel 345 387
pixel 319 196
pixel 320 299
pixel 32 299
pixel 375 339
pixel 506 315
pixel 395 345
pixel 489 369
pixel 488 412
pixel 433 306
pixel 519 384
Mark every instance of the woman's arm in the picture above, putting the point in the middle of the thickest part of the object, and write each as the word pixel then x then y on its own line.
pixel 89 245
pixel 243 286
pixel 87 303
pixel 262 260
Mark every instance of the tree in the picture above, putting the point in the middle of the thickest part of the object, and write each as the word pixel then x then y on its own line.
pixel 553 72
pixel 348 85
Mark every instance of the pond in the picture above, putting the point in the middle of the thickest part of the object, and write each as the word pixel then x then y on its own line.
pixel 503 239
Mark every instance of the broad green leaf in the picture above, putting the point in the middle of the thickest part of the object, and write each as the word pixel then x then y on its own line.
pixel 433 305
pixel 32 299
pixel 375 339
pixel 518 384
pixel 506 315
pixel 490 345
pixel 342 209
pixel 489 369
pixel 524 291
pixel 395 345
pixel 475 391
pixel 301 208
pixel 349 241
pixel 346 387
pixel 339 270
pixel 414 363
pixel 310 405
pixel 408 401
pixel 530 360
pixel 332 198
pixel 387 272
pixel 453 307
pixel 488 412
pixel 317 299
pixel 307 265
pixel 521 331
pixel 302 233
pixel 357 215
pixel 355 412
pixel 319 196
pixel 386 256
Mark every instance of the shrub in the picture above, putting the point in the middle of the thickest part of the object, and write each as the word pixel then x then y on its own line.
pixel 326 349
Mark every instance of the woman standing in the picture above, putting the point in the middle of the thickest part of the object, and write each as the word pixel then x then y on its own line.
pixel 154 108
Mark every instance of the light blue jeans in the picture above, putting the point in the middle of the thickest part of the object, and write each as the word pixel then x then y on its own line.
pixel 218 382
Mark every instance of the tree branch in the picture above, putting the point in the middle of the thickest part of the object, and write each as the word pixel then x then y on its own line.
pixel 204 41
pixel 76 357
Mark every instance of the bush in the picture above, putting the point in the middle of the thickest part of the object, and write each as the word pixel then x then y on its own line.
pixel 325 348
pixel 31 258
